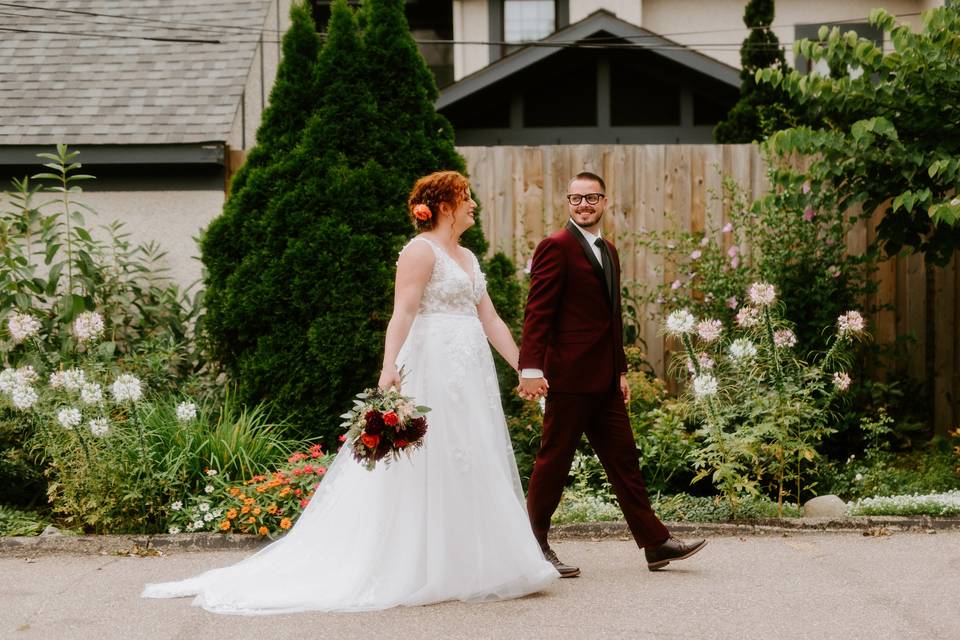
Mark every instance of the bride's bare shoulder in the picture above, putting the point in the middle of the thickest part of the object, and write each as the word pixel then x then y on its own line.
pixel 417 253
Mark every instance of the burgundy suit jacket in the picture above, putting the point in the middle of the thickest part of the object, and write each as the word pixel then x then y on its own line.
pixel 572 327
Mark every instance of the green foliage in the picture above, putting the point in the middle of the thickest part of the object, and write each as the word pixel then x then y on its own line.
pixel 761 108
pixel 881 471
pixel 686 508
pixel 887 138
pixel 16 522
pixel 299 319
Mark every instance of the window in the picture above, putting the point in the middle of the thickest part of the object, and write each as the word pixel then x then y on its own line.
pixel 527 20
pixel 809 32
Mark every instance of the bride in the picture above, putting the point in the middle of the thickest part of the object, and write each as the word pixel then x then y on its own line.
pixel 449 524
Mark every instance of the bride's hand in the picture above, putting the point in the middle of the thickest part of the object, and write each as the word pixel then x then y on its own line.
pixel 389 377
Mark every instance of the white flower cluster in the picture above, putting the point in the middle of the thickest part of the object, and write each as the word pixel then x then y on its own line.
pixel 934 504
pixel 850 323
pixel 88 326
pixel 126 388
pixel 99 427
pixel 762 294
pixel 841 380
pixel 17 385
pixel 186 411
pixel 91 393
pixel 784 339
pixel 71 379
pixel 709 330
pixel 748 317
pixel 704 385
pixel 742 349
pixel 680 322
pixel 69 417
pixel 22 326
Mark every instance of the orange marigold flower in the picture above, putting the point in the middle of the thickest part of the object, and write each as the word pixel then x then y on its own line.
pixel 251 520
pixel 244 509
pixel 272 509
pixel 225 525
pixel 256 511
pixel 263 531
pixel 248 501
pixel 261 489
pixel 234 491
pixel 231 514
pixel 284 491
pixel 286 523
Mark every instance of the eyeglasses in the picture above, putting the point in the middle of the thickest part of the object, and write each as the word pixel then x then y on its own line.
pixel 591 198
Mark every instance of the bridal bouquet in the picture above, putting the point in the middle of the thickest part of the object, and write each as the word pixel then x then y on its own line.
pixel 382 424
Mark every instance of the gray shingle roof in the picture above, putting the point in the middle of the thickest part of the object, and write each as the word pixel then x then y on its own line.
pixel 83 79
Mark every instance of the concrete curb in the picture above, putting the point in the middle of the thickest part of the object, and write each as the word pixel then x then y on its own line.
pixel 162 544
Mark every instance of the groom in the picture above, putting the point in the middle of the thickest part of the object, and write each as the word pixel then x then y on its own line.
pixel 572 338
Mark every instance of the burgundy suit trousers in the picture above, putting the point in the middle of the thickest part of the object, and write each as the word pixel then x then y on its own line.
pixel 603 417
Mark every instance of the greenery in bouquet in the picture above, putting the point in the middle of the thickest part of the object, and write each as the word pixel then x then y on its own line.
pixel 382 425
pixel 762 409
pixel 265 504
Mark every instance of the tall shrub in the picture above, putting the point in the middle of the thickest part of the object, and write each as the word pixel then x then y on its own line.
pixel 231 236
pixel 761 108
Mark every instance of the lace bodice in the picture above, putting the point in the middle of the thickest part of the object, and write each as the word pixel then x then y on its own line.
pixel 451 289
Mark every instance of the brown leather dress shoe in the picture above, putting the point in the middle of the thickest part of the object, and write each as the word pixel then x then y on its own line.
pixel 673 549
pixel 565 570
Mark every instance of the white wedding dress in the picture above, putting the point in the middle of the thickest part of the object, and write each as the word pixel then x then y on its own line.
pixel 447 524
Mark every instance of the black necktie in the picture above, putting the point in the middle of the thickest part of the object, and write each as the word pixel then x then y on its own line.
pixel 607 264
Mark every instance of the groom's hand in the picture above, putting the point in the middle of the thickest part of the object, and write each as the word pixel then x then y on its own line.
pixel 625 388
pixel 532 388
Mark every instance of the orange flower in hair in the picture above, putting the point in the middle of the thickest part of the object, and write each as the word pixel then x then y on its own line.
pixel 422 212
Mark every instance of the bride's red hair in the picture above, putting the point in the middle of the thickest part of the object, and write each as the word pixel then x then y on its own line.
pixel 450 187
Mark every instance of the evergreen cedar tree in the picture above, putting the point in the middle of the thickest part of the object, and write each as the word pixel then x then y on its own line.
pixel 761 108
pixel 300 266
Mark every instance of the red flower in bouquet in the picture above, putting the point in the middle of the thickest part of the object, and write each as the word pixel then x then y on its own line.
pixel 382 424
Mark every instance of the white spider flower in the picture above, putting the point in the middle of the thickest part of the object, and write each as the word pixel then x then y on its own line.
pixel 841 380
pixel 88 326
pixel 680 322
pixel 8 380
pixel 709 330
pixel 198 524
pixel 784 339
pixel 91 393
pixel 176 505
pixel 704 360
pixel 850 323
pixel 69 418
pixel 56 380
pixel 174 530
pixel 208 488
pixel 22 326
pixel 762 294
pixel 126 388
pixel 748 317
pixel 73 379
pixel 186 411
pixel 704 385
pixel 203 507
pixel 23 397
pixel 99 427
pixel 742 349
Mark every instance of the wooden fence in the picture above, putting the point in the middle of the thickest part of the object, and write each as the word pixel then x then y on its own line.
pixel 521 190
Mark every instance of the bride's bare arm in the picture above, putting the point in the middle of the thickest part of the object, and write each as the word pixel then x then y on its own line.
pixel 497 332
pixel 413 273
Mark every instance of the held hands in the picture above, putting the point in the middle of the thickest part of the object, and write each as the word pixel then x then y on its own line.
pixel 389 377
pixel 624 388
pixel 533 388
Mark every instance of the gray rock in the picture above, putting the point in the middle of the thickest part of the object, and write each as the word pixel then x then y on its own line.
pixel 828 506
pixel 51 530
